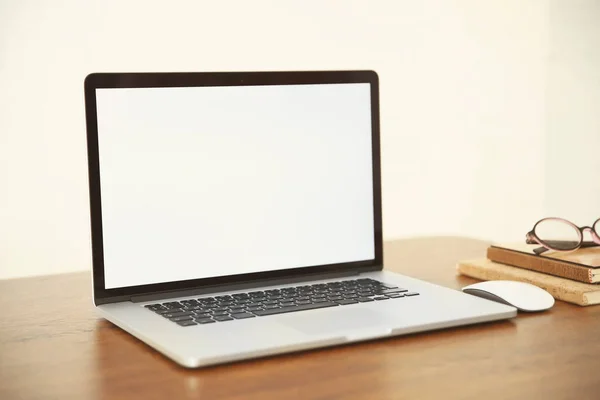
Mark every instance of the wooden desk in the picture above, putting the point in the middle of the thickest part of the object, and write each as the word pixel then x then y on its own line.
pixel 53 346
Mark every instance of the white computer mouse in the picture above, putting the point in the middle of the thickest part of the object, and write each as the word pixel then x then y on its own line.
pixel 523 296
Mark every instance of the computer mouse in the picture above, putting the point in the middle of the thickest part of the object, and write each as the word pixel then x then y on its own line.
pixel 523 296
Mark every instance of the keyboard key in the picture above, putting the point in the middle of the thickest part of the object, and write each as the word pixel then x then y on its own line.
pixel 386 292
pixel 295 308
pixel 177 314
pixel 346 302
pixel 204 315
pixel 183 318
pixel 255 308
pixel 237 310
pixel 191 308
pixel 381 298
pixel 217 313
pixel 366 288
pixel 395 295
pixel 223 318
pixel 244 315
pixel 270 307
pixel 303 301
pixel 364 299
pixel 411 294
pixel 173 304
pixel 205 321
pixel 186 323
pixel 165 311
pixel 154 306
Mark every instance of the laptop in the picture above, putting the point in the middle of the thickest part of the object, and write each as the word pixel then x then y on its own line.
pixel 237 215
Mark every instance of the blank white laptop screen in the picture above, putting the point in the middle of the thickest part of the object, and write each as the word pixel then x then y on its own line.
pixel 200 182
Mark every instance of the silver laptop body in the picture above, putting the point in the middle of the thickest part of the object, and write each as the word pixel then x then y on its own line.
pixel 238 215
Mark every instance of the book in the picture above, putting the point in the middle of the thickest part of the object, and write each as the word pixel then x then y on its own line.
pixel 583 294
pixel 581 265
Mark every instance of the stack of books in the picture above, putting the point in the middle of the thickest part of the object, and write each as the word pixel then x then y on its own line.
pixel 569 276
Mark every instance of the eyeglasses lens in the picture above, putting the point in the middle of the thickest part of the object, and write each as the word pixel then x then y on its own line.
pixel 558 234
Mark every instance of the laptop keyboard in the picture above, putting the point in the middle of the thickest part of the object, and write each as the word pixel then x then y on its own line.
pixel 208 310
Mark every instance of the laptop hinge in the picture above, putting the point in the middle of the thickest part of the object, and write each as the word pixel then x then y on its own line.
pixel 240 286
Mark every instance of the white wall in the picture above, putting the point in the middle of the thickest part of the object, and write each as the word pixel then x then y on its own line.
pixel 488 108
pixel 572 187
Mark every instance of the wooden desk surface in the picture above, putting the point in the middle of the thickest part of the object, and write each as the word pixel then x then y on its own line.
pixel 53 346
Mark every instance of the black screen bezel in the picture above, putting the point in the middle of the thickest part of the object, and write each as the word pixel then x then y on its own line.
pixel 190 79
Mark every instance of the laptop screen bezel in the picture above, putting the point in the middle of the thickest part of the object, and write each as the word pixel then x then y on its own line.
pixel 197 79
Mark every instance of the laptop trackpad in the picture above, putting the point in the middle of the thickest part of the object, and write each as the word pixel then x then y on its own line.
pixel 336 320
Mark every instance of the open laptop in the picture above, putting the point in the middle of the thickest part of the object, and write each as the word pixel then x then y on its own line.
pixel 238 215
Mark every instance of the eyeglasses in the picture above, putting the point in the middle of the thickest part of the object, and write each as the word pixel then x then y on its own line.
pixel 561 235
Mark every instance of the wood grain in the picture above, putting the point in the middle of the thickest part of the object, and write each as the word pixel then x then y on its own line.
pixel 52 346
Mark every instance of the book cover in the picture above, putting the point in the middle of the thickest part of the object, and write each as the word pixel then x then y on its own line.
pixel 581 265
pixel 583 294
